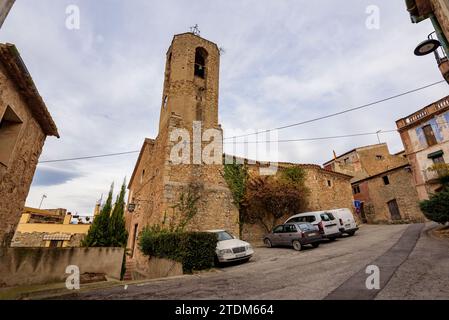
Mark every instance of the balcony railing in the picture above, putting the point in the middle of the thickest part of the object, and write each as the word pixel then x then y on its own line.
pixel 423 113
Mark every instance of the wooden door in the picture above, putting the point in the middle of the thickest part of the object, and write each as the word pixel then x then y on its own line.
pixel 394 210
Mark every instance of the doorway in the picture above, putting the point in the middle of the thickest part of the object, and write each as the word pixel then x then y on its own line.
pixel 394 210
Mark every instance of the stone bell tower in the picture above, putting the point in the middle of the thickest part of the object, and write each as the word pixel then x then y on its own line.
pixel 191 81
pixel 158 183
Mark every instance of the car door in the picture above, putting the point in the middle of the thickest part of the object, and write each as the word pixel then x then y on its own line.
pixel 290 233
pixel 276 237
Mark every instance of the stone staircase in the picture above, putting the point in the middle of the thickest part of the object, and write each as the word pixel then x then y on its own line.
pixel 130 267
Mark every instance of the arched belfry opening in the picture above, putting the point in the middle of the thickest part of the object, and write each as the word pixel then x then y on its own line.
pixel 200 62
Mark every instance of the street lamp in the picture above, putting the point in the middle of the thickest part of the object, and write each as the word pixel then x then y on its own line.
pixel 43 197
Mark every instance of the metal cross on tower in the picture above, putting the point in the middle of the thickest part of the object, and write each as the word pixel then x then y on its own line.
pixel 195 30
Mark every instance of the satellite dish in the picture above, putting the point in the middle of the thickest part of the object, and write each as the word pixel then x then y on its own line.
pixel 426 47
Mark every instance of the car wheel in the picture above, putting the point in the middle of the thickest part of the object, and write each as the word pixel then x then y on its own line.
pixel 316 244
pixel 267 243
pixel 297 245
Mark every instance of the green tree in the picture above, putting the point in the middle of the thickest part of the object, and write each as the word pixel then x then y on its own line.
pixel 118 235
pixel 236 176
pixel 98 235
pixel 437 207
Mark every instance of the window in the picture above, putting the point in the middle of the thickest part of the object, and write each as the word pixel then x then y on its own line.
pixel 290 228
pixel 325 217
pixel 379 157
pixel 346 160
pixel 386 180
pixel 430 135
pixel 223 236
pixel 437 157
pixel 55 243
pixel 278 229
pixel 142 176
pixel 356 189
pixel 200 62
pixel 164 104
pixel 329 183
pixel 10 125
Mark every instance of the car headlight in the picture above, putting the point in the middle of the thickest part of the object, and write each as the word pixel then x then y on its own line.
pixel 249 247
pixel 224 251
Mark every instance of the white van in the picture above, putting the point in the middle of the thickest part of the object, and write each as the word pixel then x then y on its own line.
pixel 328 225
pixel 346 221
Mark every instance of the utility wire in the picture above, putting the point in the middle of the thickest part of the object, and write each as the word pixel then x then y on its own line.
pixel 90 157
pixel 314 139
pixel 340 112
pixel 243 142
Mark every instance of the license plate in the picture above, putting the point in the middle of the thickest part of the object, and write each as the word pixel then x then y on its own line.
pixel 347 225
pixel 312 234
pixel 239 255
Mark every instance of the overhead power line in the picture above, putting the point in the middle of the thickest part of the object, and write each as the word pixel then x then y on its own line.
pixel 340 112
pixel 90 157
pixel 314 139
pixel 243 142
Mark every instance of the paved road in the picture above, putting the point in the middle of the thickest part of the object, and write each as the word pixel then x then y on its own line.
pixel 413 265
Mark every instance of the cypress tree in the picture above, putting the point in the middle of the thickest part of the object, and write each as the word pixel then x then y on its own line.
pixel 117 230
pixel 98 235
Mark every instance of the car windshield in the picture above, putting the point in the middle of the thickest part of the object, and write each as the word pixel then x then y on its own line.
pixel 223 236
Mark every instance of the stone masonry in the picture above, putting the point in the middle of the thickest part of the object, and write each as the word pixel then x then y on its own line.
pixel 24 125
pixel 190 94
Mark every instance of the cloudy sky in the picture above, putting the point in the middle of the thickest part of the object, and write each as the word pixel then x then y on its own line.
pixel 284 62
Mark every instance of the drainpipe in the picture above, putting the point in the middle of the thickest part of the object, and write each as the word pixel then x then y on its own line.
pixel 440 34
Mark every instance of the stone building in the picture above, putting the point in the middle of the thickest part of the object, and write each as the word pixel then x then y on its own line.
pixel 24 125
pixel 5 7
pixel 327 190
pixel 438 12
pixel 48 228
pixel 190 98
pixel 425 135
pixel 382 184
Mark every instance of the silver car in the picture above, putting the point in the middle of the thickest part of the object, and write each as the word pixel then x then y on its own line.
pixel 296 235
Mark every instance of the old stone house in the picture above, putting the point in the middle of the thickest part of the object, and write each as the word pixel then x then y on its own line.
pixel 48 228
pixel 24 125
pixel 189 99
pixel 327 190
pixel 382 184
pixel 425 135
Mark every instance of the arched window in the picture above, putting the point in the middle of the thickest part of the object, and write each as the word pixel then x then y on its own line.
pixel 200 62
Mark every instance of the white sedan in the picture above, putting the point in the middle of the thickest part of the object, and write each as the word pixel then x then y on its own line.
pixel 230 249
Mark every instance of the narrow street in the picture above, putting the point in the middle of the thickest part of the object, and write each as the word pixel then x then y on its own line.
pixel 413 265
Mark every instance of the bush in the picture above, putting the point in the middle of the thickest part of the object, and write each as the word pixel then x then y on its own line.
pixel 437 208
pixel 195 250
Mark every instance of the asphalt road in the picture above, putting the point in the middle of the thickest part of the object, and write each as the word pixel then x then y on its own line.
pixel 412 265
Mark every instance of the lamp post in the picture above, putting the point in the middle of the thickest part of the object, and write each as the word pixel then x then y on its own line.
pixel 43 197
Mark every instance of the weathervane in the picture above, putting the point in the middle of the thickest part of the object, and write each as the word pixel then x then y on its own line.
pixel 195 30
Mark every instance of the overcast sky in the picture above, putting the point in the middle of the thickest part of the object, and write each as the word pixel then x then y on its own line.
pixel 284 62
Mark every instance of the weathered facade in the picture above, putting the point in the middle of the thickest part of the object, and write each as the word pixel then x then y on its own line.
pixel 48 228
pixel 425 135
pixel 24 125
pixel 5 7
pixel 190 98
pixel 382 184
pixel 327 190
